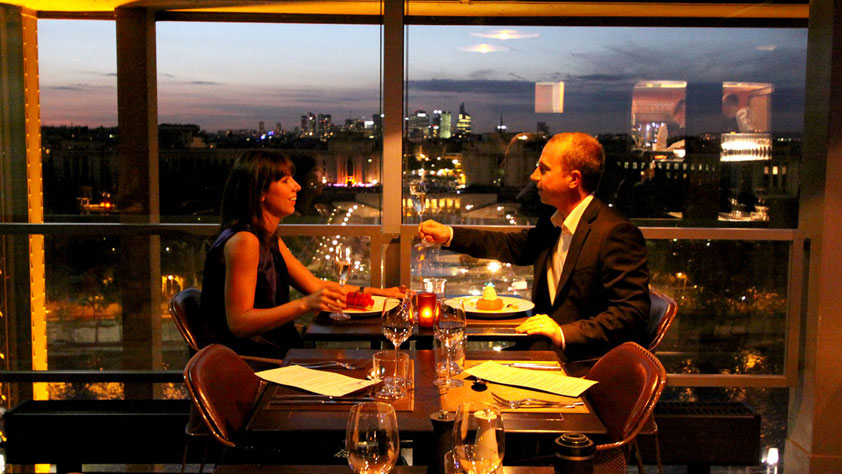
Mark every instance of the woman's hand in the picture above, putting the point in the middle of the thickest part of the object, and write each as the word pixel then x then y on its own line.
pixel 328 299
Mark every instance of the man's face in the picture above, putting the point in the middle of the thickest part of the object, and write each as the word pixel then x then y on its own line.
pixel 554 183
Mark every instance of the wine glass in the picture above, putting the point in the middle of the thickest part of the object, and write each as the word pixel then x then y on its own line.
pixel 397 320
pixel 418 196
pixel 449 329
pixel 478 438
pixel 342 265
pixel 371 438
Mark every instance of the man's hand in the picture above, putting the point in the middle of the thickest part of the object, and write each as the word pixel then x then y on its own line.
pixel 543 325
pixel 434 232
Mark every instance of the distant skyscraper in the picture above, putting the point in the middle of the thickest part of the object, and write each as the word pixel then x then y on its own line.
pixel 308 124
pixel 262 129
pixel 418 126
pixel 278 128
pixel 543 129
pixel 446 128
pixel 463 126
pixel 502 127
pixel 377 125
pixel 440 124
pixel 325 124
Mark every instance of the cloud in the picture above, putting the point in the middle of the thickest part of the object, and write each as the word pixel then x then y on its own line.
pixel 204 83
pixel 505 34
pixel 483 48
pixel 475 86
pixel 766 47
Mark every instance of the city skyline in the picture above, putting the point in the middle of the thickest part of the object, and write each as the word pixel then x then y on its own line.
pixel 232 76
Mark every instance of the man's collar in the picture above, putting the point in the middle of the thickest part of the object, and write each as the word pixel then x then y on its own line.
pixel 571 221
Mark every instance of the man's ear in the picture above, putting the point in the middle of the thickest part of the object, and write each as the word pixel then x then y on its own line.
pixel 575 179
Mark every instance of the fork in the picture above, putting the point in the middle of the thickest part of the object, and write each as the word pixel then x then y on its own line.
pixel 532 402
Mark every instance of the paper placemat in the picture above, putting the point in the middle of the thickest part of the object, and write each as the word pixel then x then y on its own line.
pixel 290 398
pixel 322 382
pixel 544 380
pixel 451 400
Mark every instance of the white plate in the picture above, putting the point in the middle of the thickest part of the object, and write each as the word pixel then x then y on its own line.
pixel 512 306
pixel 376 309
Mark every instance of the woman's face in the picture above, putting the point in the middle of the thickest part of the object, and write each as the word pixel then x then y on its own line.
pixel 279 199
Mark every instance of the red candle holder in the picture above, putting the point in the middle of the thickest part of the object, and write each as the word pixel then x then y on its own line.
pixel 426 307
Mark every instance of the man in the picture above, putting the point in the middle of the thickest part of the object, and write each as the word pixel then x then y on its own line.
pixel 590 284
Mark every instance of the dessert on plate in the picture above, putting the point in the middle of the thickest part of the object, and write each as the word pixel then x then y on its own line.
pixel 489 300
pixel 359 300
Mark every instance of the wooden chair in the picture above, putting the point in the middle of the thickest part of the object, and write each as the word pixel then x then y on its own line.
pixel 631 380
pixel 223 389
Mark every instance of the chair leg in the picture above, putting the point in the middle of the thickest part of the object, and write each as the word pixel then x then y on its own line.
pixel 640 469
pixel 184 456
pixel 658 453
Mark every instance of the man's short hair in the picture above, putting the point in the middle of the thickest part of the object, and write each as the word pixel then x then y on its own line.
pixel 580 151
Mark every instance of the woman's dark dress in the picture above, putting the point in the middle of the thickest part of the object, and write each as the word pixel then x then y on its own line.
pixel 272 290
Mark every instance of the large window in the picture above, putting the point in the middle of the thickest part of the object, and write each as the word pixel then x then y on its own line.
pixel 482 101
pixel 309 91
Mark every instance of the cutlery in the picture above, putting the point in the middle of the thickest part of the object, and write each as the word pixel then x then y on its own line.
pixel 328 401
pixel 533 403
pixel 529 365
pixel 325 364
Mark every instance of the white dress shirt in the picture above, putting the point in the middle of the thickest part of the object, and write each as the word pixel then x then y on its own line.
pixel 568 228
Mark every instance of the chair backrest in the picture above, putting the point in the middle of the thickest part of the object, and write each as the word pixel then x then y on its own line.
pixel 661 314
pixel 185 308
pixel 223 389
pixel 631 380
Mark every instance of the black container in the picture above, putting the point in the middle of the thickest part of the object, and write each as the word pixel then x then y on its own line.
pixel 574 454
pixel 442 439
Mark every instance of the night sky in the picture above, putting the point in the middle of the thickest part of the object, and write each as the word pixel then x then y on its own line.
pixel 231 76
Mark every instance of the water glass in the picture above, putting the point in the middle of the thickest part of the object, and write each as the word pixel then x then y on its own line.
pixel 393 369
pixel 457 357
pixel 478 438
pixel 371 438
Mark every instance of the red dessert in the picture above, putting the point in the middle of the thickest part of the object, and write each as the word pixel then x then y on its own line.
pixel 359 300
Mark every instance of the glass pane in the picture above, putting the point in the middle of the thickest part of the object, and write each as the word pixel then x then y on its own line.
pixel 311 92
pixel 485 99
pixel 732 303
pixel 467 275
pixel 769 403
pixel 77 68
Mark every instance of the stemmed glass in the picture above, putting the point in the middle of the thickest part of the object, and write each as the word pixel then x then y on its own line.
pixel 342 265
pixel 371 438
pixel 397 320
pixel 418 196
pixel 478 438
pixel 449 329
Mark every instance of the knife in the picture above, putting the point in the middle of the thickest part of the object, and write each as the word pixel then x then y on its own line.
pixel 322 401
pixel 528 365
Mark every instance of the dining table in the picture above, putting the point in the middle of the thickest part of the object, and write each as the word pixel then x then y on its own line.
pixel 308 430
pixel 314 469
pixel 486 326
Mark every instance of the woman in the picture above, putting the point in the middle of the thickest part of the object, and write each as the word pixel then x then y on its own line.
pixel 248 268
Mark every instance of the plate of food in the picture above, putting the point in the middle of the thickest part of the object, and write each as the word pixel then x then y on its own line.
pixel 492 306
pixel 365 304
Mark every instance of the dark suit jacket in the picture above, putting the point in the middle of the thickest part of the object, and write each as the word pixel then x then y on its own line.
pixel 603 294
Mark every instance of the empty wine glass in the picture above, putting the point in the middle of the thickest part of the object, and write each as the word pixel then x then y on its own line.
pixel 397 320
pixel 371 438
pixel 342 265
pixel 449 329
pixel 418 196
pixel 478 438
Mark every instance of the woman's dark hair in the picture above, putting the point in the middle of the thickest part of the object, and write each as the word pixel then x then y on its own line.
pixel 250 177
